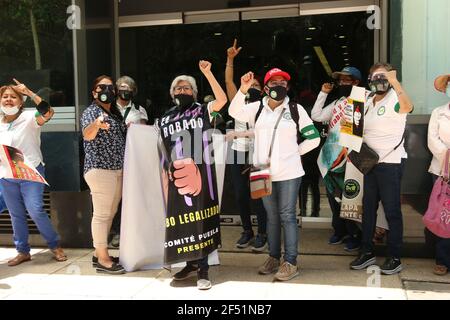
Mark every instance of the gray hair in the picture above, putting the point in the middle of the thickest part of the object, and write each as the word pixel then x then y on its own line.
pixel 129 81
pixel 189 79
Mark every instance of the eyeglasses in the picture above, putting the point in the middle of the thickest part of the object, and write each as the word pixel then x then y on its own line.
pixel 102 87
pixel 178 89
pixel 282 83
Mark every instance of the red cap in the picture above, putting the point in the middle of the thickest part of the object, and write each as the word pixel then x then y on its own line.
pixel 276 72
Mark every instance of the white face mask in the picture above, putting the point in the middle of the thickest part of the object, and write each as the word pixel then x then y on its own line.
pixel 9 111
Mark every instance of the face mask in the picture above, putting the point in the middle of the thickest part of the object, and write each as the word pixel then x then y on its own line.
pixel 379 84
pixel 278 93
pixel 253 95
pixel 106 95
pixel 183 100
pixel 344 90
pixel 10 111
pixel 125 95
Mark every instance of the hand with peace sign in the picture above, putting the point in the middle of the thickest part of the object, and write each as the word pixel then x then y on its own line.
pixel 233 51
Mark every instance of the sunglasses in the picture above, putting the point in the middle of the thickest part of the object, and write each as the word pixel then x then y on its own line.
pixel 103 87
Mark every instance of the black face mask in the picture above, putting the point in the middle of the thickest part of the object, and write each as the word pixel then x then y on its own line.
pixel 126 95
pixel 344 91
pixel 183 101
pixel 107 95
pixel 277 93
pixel 253 95
pixel 379 86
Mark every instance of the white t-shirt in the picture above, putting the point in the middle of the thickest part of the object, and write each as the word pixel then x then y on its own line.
pixel 285 163
pixel 134 115
pixel 384 127
pixel 439 137
pixel 241 144
pixel 24 133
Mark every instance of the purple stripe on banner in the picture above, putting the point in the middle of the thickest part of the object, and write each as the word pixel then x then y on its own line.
pixel 179 152
pixel 208 164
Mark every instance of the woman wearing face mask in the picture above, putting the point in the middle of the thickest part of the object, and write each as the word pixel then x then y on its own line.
pixel 104 134
pixel 439 144
pixel 191 184
pixel 241 146
pixel 334 155
pixel 22 129
pixel 131 113
pixel 384 128
pixel 276 112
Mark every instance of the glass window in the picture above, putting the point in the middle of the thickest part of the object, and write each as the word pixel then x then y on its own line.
pixel 420 47
pixel 36 48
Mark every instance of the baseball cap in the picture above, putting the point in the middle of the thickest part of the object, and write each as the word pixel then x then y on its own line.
pixel 441 83
pixel 348 71
pixel 276 72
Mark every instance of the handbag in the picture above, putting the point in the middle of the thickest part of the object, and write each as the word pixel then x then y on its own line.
pixel 437 216
pixel 367 158
pixel 260 178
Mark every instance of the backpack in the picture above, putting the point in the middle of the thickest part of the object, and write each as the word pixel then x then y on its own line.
pixel 294 114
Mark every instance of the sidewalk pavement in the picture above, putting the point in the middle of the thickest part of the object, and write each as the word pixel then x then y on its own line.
pixel 322 276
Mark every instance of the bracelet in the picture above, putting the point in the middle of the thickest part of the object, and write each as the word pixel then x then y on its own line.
pixel 33 96
pixel 229 65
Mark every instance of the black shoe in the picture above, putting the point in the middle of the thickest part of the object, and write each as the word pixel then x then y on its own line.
pixel 363 261
pixel 95 260
pixel 114 269
pixel 203 282
pixel 185 273
pixel 391 266
pixel 245 239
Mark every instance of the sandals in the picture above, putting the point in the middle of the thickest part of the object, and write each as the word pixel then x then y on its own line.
pixel 440 270
pixel 59 254
pixel 21 257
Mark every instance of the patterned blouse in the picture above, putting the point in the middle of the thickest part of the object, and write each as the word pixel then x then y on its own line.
pixel 107 150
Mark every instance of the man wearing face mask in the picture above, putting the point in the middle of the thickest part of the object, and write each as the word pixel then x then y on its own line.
pixel 334 156
pixel 132 113
pixel 385 121
pixel 241 147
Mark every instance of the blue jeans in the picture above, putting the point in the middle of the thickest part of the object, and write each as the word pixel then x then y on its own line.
pixel 280 207
pixel 383 183
pixel 242 195
pixel 21 196
pixel 2 201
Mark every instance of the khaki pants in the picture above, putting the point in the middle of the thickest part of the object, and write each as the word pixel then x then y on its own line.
pixel 106 191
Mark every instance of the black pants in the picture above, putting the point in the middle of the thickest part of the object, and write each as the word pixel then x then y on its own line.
pixel 383 183
pixel 310 181
pixel 201 263
pixel 242 195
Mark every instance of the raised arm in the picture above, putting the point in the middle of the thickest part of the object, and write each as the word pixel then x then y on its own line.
pixel 319 113
pixel 219 94
pixel 46 112
pixel 231 88
pixel 406 105
pixel 237 109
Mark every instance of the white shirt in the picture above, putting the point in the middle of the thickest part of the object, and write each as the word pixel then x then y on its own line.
pixel 24 133
pixel 285 163
pixel 384 128
pixel 135 115
pixel 241 144
pixel 439 137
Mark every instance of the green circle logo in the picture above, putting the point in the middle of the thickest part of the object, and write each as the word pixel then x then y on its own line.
pixel 381 110
pixel 351 189
pixel 287 116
